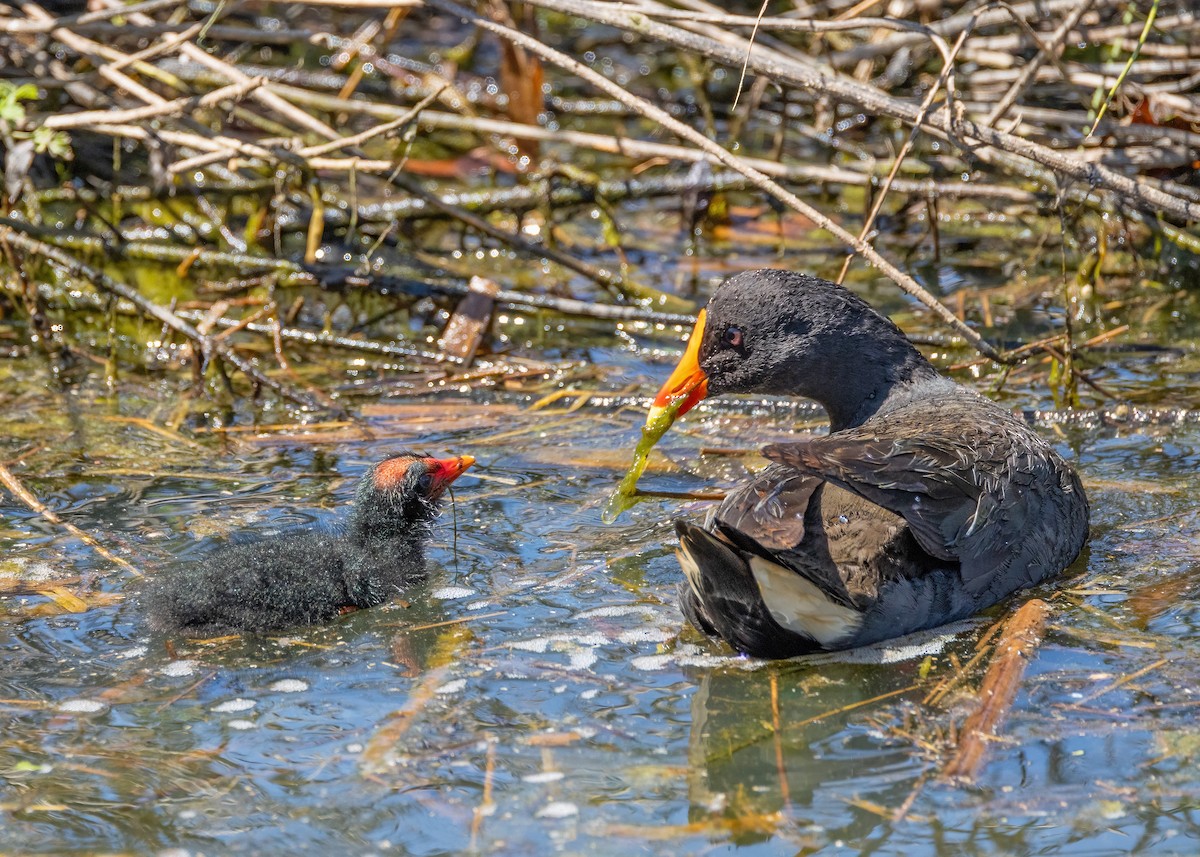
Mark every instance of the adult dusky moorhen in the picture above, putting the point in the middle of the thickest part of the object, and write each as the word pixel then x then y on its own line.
pixel 311 576
pixel 925 503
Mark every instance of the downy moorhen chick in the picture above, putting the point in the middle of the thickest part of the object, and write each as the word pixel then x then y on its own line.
pixel 924 504
pixel 311 576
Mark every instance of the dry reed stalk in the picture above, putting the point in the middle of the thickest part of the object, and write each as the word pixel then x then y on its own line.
pixel 18 490
pixel 1014 649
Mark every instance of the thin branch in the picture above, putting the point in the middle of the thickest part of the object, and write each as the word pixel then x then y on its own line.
pixel 763 182
pixel 814 79
pixel 178 107
pixel 206 345
pixel 18 490
pixel 946 74
pixel 1052 47
pixel 29 25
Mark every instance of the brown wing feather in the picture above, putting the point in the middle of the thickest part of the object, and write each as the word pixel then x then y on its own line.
pixel 769 516
pixel 976 488
pixel 844 544
pixel 770 509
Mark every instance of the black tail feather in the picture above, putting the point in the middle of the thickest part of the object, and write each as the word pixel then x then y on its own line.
pixel 723 599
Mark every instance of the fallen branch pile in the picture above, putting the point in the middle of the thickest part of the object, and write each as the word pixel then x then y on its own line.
pixel 361 146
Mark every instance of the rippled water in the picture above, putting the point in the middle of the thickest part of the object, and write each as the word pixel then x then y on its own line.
pixel 541 693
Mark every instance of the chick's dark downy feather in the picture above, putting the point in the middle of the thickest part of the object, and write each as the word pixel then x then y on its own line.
pixel 311 576
pixel 256 587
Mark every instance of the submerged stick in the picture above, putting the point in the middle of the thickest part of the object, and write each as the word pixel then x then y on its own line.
pixel 944 79
pixel 1049 51
pixel 1018 641
pixel 13 484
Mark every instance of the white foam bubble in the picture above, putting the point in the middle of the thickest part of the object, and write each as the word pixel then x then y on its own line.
pixel 289 685
pixel 583 659
pixel 544 777
pixel 646 635
pixel 618 610
pixel 698 659
pixel 537 644
pixel 447 592
pixel 907 648
pixel 558 809
pixel 82 706
pixel 235 705
pixel 585 639
pixel 652 662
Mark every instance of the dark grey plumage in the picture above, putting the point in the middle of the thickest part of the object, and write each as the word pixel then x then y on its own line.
pixel 926 502
pixel 311 576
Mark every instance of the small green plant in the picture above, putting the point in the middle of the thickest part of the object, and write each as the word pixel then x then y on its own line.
pixel 11 108
pixel 13 115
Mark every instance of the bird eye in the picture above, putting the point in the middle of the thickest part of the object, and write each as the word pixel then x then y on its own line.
pixel 425 482
pixel 733 337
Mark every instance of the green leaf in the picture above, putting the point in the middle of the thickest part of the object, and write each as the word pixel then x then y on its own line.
pixel 55 143
pixel 11 97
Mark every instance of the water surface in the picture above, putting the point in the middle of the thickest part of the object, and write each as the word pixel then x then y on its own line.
pixel 541 693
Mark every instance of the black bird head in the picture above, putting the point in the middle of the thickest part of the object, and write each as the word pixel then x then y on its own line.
pixel 403 492
pixel 782 333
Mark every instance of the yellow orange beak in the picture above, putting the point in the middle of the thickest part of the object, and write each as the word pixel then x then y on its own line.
pixel 446 470
pixel 687 382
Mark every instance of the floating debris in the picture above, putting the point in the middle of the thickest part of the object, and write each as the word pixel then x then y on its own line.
pixel 657 424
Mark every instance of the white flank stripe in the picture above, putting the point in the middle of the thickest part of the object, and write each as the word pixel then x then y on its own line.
pixel 800 606
pixel 690 570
